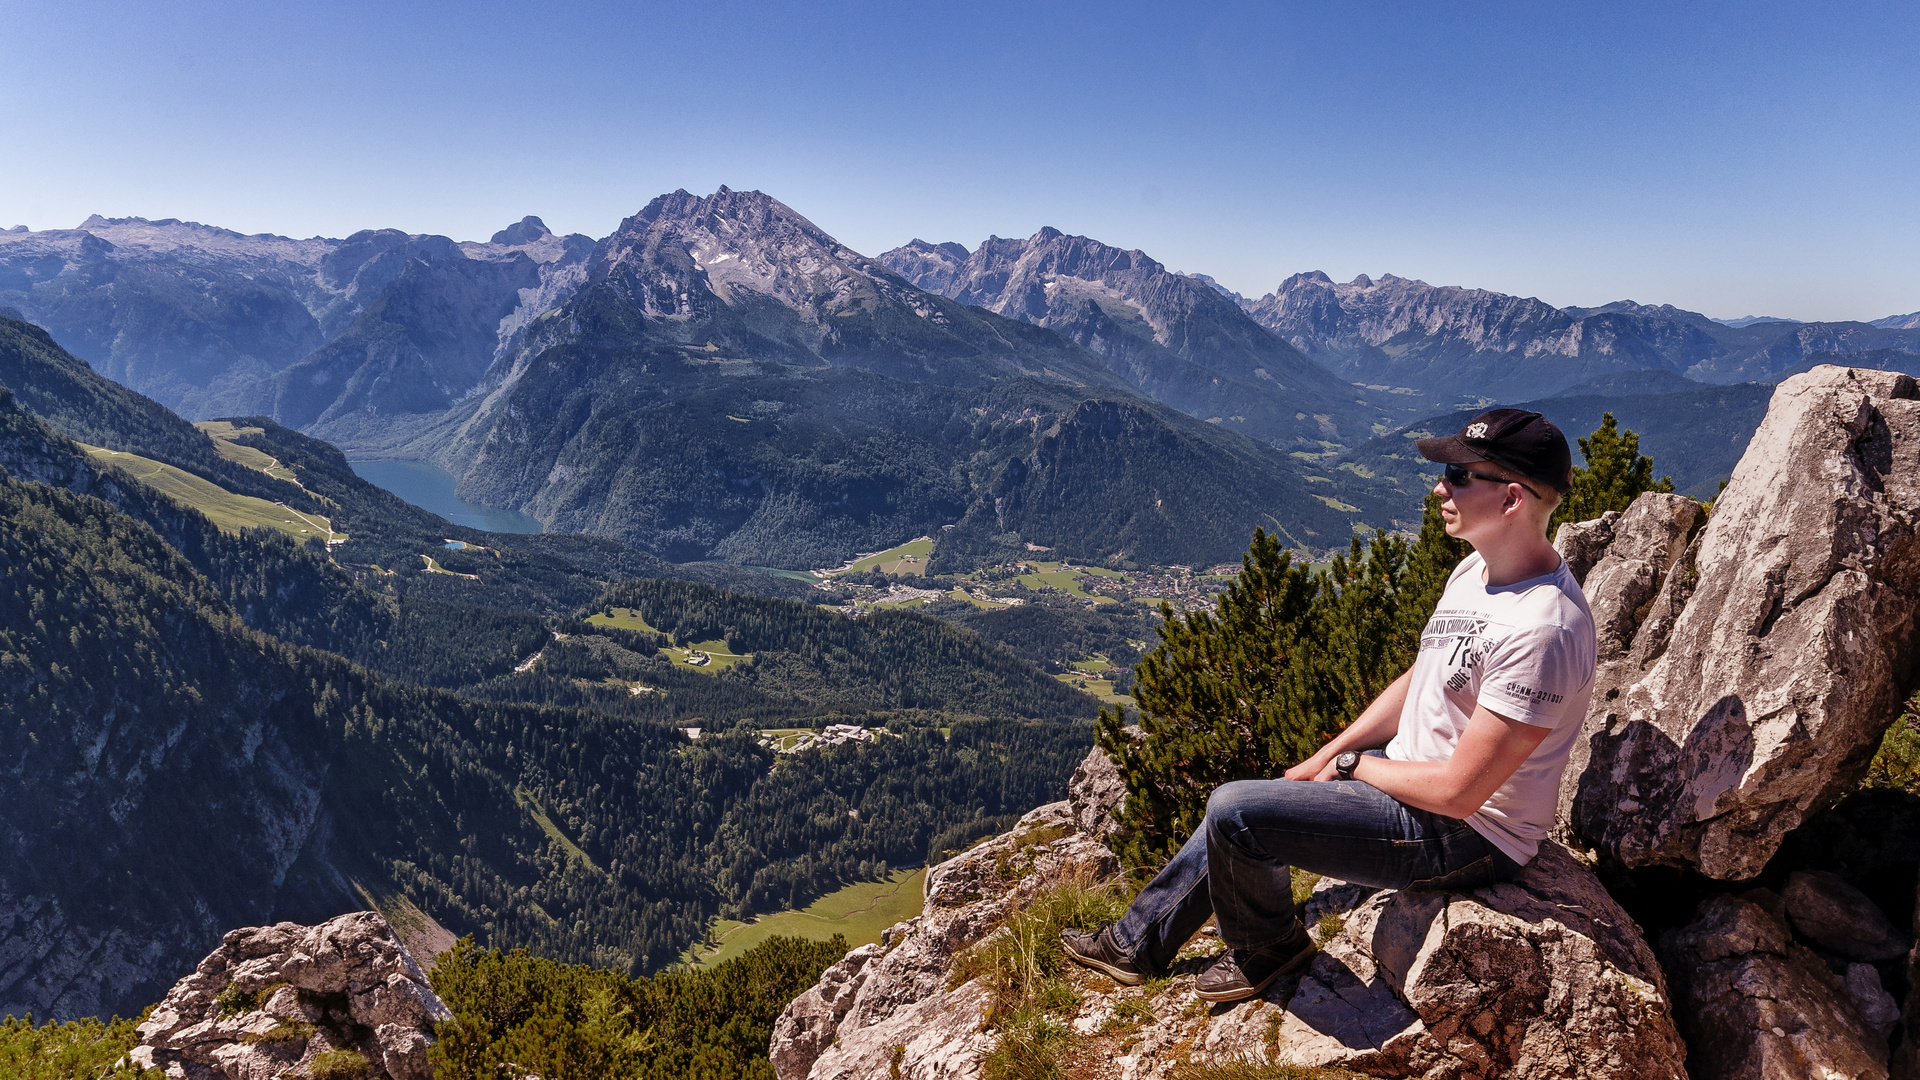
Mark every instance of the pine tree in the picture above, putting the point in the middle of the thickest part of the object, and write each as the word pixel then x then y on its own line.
pixel 1288 660
pixel 1615 474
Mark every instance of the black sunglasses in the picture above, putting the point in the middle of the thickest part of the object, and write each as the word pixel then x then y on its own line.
pixel 1460 476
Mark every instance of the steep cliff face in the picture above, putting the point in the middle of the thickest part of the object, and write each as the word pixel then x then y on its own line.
pixel 1173 337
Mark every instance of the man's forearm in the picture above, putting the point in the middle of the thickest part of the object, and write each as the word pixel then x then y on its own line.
pixel 1375 726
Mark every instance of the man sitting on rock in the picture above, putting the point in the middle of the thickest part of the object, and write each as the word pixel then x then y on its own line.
pixel 1476 736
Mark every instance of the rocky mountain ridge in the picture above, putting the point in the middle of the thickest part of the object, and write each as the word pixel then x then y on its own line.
pixel 1456 344
pixel 1175 338
pixel 731 382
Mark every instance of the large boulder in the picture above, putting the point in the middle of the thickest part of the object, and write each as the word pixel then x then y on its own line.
pixel 1762 673
pixel 1541 977
pixel 1756 1005
pixel 273 1000
pixel 1623 562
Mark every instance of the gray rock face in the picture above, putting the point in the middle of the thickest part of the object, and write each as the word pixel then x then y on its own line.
pixel 1776 649
pixel 271 999
pixel 1754 1004
pixel 1097 791
pixel 1825 908
pixel 1623 561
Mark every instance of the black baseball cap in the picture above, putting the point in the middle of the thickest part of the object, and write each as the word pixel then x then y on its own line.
pixel 1514 439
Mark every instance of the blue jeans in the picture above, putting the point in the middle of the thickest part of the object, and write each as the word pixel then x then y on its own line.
pixel 1235 866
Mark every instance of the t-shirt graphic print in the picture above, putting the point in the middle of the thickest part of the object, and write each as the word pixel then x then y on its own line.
pixel 1526 652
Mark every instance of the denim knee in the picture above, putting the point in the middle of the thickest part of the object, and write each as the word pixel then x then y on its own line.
pixel 1229 801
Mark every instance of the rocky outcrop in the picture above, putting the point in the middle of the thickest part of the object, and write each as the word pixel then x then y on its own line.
pixel 279 1000
pixel 1754 1003
pixel 1544 976
pixel 879 998
pixel 1763 670
pixel 1624 561
pixel 1541 977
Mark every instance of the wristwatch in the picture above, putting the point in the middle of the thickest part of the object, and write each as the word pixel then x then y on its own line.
pixel 1344 765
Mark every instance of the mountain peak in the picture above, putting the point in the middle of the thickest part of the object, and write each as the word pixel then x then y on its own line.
pixel 525 231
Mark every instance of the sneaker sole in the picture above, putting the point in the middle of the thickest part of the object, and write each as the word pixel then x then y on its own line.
pixel 1242 993
pixel 1124 978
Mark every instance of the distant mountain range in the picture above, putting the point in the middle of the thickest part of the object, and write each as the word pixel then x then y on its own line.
pixel 1452 345
pixel 721 379
pixel 211 322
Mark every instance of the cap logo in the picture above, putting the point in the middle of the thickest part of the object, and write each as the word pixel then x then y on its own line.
pixel 1476 431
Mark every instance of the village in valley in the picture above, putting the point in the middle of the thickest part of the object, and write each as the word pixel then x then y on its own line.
pixel 898 577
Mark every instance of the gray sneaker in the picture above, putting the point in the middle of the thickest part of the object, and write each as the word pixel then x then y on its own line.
pixel 1098 950
pixel 1243 973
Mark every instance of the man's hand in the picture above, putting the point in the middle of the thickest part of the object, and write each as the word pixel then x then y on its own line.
pixel 1318 767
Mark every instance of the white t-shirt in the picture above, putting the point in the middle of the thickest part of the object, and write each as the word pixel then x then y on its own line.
pixel 1525 651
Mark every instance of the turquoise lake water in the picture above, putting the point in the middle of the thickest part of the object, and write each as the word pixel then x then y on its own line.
pixel 430 487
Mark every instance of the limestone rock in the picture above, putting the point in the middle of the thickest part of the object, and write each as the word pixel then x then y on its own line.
pixel 1540 977
pixel 1097 791
pixel 271 998
pixel 1777 648
pixel 1906 1058
pixel 1755 1004
pixel 881 998
pixel 1623 560
pixel 1840 917
pixel 1876 1008
pixel 1584 543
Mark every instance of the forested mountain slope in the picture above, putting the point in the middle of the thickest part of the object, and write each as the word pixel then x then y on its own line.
pixel 82 404
pixel 220 776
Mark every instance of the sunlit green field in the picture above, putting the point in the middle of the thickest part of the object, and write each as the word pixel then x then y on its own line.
pixel 622 619
pixel 1067 581
pixel 906 560
pixel 229 511
pixel 1082 679
pixel 860 912
pixel 718 657
pixel 223 432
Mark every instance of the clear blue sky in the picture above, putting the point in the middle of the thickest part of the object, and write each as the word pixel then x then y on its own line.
pixel 1737 158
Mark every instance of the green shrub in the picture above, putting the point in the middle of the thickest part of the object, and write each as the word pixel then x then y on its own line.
pixel 1897 763
pixel 574 1022
pixel 1248 1070
pixel 339 1065
pixel 75 1050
